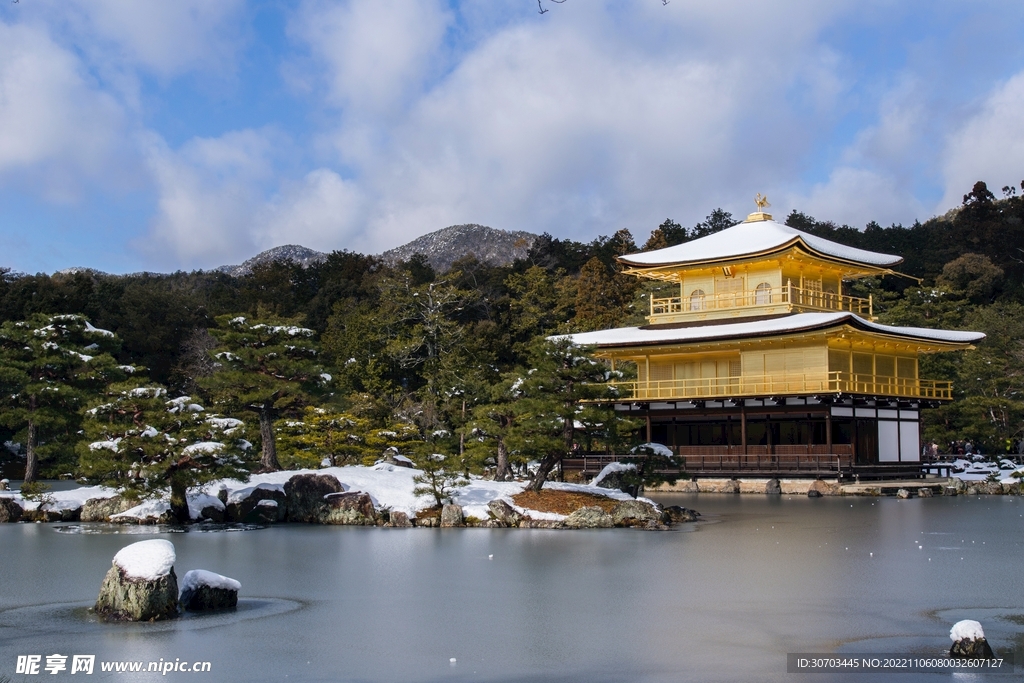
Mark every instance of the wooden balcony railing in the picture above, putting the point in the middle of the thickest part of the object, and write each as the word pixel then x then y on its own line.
pixel 787 294
pixel 771 385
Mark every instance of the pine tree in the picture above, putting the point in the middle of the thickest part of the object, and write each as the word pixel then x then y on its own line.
pixel 550 400
pixel 266 368
pixel 49 367
pixel 144 444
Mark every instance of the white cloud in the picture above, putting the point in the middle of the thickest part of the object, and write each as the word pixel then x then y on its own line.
pixel 554 128
pixel 857 196
pixel 376 53
pixel 220 201
pixel 989 146
pixel 319 212
pixel 165 38
pixel 59 130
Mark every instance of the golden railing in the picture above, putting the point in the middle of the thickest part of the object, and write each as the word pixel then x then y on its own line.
pixel 787 294
pixel 771 385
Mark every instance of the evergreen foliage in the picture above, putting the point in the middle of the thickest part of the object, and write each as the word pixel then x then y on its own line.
pixel 144 444
pixel 49 367
pixel 266 368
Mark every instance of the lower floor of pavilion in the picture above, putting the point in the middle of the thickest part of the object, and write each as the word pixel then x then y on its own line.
pixel 833 435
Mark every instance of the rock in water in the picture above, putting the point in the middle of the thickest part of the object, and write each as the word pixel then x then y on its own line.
pixel 352 507
pixel 9 511
pixel 202 590
pixel 451 515
pixel 141 585
pixel 924 493
pixel 503 512
pixel 903 493
pixel 101 509
pixel 773 487
pixel 634 513
pixel 399 519
pixel 304 494
pixel 814 494
pixel 674 514
pixel 590 517
pixel 969 641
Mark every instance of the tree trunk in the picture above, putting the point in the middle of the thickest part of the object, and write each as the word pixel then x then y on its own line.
pixel 31 459
pixel 546 465
pixel 179 500
pixel 268 458
pixel 502 473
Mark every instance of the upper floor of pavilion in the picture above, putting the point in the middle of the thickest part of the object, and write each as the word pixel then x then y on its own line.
pixel 757 268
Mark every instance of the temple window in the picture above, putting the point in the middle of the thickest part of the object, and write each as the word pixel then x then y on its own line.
pixel 763 294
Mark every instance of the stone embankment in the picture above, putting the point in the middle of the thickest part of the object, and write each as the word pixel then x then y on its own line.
pixel 815 488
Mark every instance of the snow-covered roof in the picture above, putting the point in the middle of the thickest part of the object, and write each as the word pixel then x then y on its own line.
pixel 799 322
pixel 755 237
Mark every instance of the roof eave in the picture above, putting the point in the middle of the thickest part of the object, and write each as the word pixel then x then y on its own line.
pixel 796 241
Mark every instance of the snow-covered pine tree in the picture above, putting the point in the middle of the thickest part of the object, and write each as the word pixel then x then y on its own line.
pixel 265 368
pixel 145 444
pixel 50 365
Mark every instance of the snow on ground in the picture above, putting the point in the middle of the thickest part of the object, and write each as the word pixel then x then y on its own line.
pixel 64 500
pixel 391 486
pixel 388 485
pixel 1006 472
pixel 147 560
pixel 968 628
pixel 195 578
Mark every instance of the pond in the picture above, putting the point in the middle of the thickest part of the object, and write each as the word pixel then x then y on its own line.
pixel 722 600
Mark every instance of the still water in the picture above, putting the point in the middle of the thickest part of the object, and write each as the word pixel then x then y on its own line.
pixel 722 600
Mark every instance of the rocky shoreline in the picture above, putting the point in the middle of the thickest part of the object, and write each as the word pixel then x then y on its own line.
pixel 322 499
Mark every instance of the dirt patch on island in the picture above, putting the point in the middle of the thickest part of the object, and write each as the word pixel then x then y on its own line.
pixel 561 502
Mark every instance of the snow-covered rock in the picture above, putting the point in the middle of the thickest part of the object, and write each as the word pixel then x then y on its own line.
pixel 969 641
pixel 141 585
pixel 203 590
pixel 613 476
pixel 146 512
pixel 966 629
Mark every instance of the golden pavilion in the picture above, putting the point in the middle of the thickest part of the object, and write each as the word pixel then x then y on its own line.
pixel 763 362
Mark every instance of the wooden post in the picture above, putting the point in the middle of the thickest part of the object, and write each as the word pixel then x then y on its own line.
pixel 743 426
pixel 828 429
pixel 648 424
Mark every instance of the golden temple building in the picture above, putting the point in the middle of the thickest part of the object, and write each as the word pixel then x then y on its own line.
pixel 763 362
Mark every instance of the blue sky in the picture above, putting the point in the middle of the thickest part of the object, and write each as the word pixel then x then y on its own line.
pixel 154 135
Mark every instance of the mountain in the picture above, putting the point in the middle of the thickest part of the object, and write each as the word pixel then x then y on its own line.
pixel 289 252
pixel 446 246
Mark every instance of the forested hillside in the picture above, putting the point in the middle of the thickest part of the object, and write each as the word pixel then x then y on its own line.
pixel 399 355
